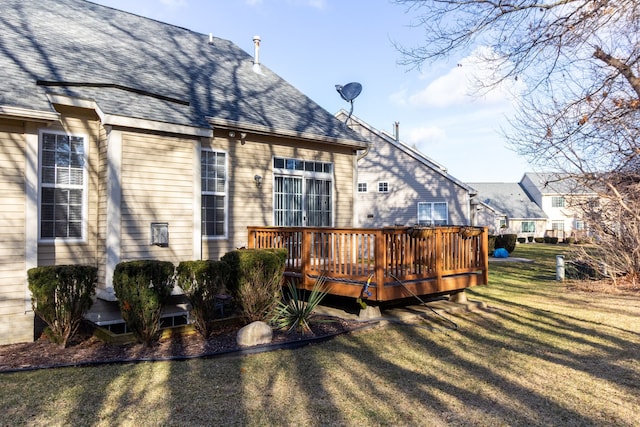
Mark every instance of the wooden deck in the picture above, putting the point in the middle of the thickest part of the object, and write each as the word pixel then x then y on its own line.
pixel 381 264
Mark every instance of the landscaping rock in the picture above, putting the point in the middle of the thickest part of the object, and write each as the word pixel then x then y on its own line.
pixel 255 333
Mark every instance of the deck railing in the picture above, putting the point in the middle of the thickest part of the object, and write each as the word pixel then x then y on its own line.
pixel 388 263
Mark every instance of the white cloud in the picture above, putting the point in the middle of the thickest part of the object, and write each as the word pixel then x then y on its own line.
pixel 460 85
pixel 423 136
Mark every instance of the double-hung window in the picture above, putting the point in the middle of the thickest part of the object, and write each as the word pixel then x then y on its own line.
pixel 557 202
pixel 62 186
pixel 433 213
pixel 213 165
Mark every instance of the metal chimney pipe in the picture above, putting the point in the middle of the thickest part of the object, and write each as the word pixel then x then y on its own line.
pixel 397 131
pixel 256 50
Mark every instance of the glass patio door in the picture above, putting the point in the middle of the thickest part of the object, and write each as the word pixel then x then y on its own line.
pixel 302 202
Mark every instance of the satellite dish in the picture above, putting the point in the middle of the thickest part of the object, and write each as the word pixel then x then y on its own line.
pixel 349 92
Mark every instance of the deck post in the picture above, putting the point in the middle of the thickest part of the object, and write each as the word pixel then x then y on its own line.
pixel 380 248
pixel 305 254
pixel 439 267
pixel 485 255
pixel 251 237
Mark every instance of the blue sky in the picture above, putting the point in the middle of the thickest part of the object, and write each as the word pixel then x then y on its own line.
pixel 316 44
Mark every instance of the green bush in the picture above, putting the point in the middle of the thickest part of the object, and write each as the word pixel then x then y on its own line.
pixel 507 241
pixel 538 239
pixel 553 240
pixel 256 280
pixel 201 282
pixel 570 240
pixel 522 239
pixel 142 288
pixel 530 239
pixel 61 295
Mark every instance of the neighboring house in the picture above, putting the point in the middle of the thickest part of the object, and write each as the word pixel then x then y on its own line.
pixel 398 185
pixel 506 207
pixel 559 198
pixel 125 138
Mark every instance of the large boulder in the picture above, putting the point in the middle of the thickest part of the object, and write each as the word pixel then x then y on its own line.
pixel 254 333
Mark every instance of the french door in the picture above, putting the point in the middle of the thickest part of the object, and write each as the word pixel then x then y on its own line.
pixel 300 202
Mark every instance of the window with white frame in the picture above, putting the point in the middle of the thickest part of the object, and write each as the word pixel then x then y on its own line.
pixel 528 227
pixel 362 187
pixel 213 165
pixel 383 187
pixel 433 213
pixel 579 224
pixel 62 186
pixel 557 225
pixel 557 202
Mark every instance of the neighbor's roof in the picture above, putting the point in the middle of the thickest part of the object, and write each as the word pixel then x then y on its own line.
pixel 554 183
pixel 134 67
pixel 509 199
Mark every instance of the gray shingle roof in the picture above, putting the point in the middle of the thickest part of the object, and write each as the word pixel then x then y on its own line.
pixel 555 183
pixel 509 199
pixel 137 67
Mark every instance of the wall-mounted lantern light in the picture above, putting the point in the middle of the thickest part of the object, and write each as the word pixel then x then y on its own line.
pixel 258 180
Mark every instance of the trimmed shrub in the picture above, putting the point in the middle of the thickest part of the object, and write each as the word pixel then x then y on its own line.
pixel 529 239
pixel 201 282
pixel 61 295
pixel 570 240
pixel 142 288
pixel 507 241
pixel 553 240
pixel 538 239
pixel 256 280
pixel 522 239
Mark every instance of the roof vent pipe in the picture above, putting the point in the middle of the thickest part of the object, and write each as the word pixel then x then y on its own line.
pixel 210 38
pixel 256 54
pixel 396 131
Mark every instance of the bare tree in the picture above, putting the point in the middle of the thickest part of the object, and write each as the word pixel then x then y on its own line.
pixel 579 113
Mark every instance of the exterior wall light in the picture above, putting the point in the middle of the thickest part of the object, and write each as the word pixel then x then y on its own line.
pixel 258 180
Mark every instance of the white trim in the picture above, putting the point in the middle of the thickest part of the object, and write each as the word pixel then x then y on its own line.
pixel 197 200
pixel 130 122
pixel 266 130
pixel 114 205
pixel 31 206
pixel 24 113
pixel 85 187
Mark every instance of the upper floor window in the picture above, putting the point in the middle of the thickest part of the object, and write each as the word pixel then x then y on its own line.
pixel 362 187
pixel 557 225
pixel 62 186
pixel 557 202
pixel 528 227
pixel 383 187
pixel 213 166
pixel 579 225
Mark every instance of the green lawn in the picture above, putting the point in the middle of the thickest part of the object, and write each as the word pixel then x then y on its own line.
pixel 539 355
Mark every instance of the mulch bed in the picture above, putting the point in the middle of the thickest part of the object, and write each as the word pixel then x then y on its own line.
pixel 87 349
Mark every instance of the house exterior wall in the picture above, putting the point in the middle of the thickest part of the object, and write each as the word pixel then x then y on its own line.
pixel 409 182
pixel 249 205
pixel 16 320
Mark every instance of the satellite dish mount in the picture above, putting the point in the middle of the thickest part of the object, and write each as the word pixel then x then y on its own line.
pixel 349 92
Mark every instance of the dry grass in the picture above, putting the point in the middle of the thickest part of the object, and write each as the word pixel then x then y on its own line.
pixel 540 355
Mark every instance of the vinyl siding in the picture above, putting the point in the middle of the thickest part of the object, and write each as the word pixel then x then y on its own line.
pixel 410 182
pixel 157 186
pixel 249 205
pixel 12 220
